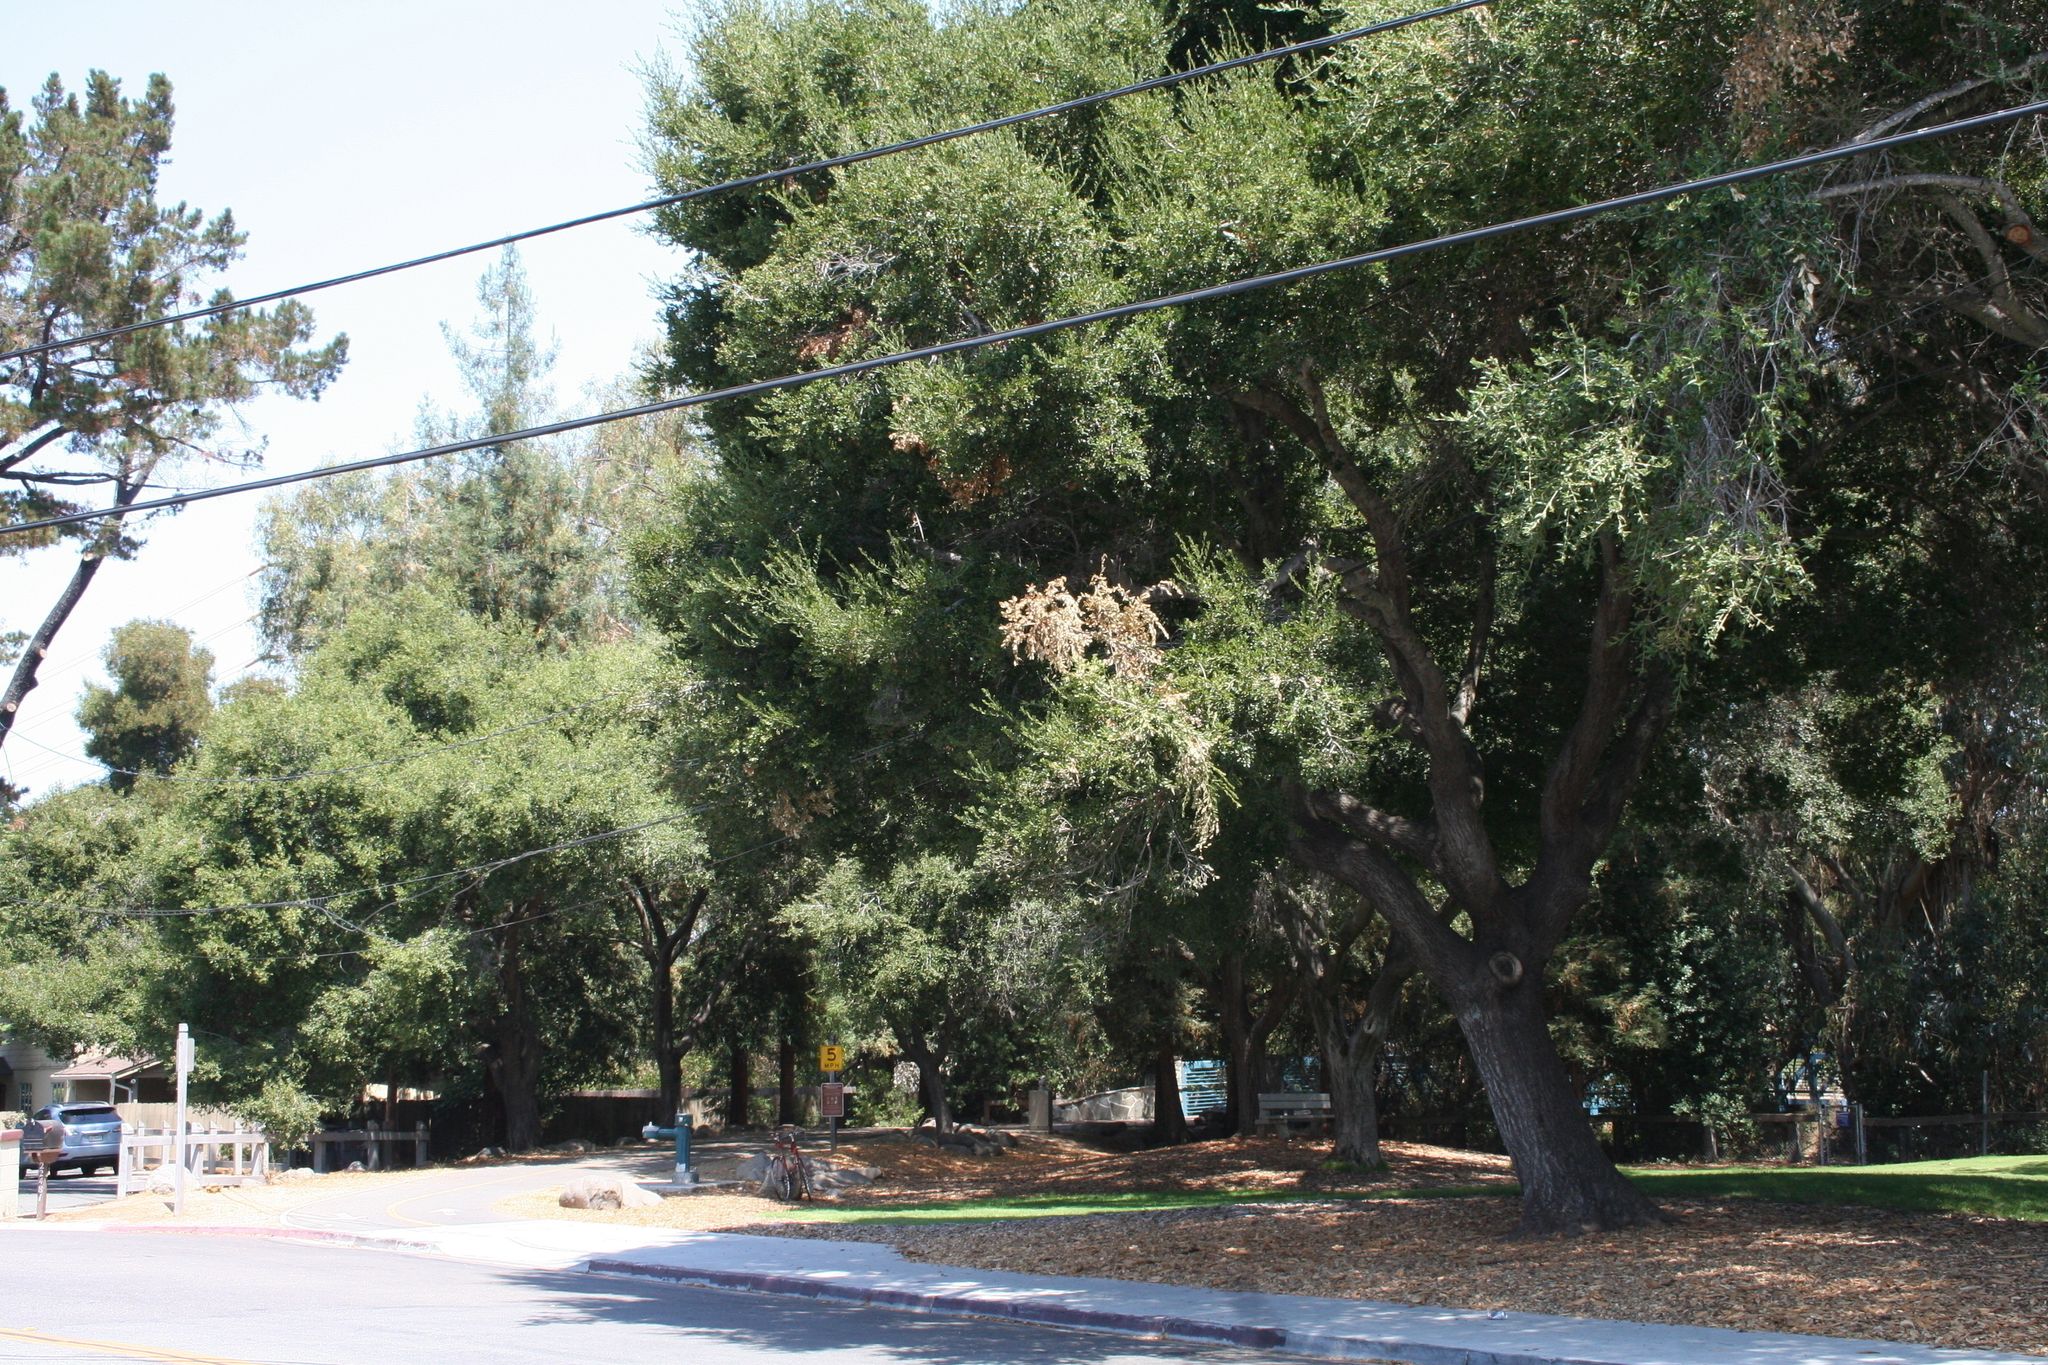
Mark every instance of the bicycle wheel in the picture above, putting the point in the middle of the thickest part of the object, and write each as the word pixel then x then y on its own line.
pixel 775 1184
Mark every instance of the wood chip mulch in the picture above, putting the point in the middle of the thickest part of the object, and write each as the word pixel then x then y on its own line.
pixel 1945 1280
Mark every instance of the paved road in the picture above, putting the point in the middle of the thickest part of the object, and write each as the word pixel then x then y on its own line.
pixel 117 1297
pixel 448 1195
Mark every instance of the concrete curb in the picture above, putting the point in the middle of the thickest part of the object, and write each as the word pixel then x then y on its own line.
pixel 968 1305
pixel 321 1235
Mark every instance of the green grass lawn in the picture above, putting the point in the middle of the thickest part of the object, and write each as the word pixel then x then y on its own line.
pixel 1133 1201
pixel 1997 1186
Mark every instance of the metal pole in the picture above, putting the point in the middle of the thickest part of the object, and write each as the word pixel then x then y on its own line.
pixel 42 1190
pixel 178 1134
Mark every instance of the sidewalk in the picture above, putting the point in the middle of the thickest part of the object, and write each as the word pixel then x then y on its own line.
pixel 1345 1329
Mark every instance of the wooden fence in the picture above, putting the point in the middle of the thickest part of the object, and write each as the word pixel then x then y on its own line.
pixel 1839 1135
pixel 213 1156
pixel 374 1141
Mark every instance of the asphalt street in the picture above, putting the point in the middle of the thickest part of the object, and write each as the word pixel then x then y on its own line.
pixel 231 1300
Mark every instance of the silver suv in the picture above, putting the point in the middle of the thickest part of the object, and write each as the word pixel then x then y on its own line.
pixel 92 1136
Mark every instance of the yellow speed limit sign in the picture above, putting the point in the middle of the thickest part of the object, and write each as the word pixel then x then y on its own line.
pixel 831 1057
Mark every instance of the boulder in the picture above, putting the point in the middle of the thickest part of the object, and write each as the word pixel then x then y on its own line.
pixel 826 1178
pixel 753 1167
pixel 574 1145
pixel 606 1192
pixel 297 1173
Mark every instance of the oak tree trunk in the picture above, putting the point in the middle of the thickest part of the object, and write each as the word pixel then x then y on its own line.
pixel 668 1058
pixel 1353 1064
pixel 740 1079
pixel 1169 1124
pixel 516 1069
pixel 1568 1184
pixel 785 1075
pixel 931 1080
pixel 514 1062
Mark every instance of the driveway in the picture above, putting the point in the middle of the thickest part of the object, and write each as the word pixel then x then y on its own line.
pixel 67 1191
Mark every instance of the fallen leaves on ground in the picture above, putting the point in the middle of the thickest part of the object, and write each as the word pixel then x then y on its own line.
pixel 1936 1279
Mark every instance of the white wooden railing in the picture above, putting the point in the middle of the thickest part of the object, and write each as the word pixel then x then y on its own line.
pixel 213 1156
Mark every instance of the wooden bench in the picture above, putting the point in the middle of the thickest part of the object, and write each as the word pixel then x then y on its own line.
pixel 1294 1112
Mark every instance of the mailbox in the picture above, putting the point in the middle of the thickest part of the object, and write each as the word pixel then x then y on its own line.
pixel 46 1146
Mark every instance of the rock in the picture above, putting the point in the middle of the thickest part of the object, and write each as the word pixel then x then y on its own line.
pixel 575 1145
pixel 357 1166
pixel 162 1183
pixel 483 1154
pixel 299 1173
pixel 826 1178
pixel 753 1167
pixel 606 1192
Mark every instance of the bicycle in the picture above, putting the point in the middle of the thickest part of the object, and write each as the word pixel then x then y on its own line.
pixel 788 1177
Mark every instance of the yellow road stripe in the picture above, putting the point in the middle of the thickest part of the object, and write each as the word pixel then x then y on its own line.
pixel 117 1347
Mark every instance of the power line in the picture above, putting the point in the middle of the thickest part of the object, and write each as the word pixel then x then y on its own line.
pixel 759 178
pixel 1465 237
pixel 48 670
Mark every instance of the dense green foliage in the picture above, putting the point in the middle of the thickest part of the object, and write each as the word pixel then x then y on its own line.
pixel 159 704
pixel 1591 665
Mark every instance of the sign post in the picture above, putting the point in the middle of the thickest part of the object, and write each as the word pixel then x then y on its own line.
pixel 832 1094
pixel 48 1155
pixel 178 1142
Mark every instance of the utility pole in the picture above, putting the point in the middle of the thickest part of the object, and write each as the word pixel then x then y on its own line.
pixel 178 1141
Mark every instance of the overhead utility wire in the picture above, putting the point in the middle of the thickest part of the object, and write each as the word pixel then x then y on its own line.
pixel 759 178
pixel 1465 237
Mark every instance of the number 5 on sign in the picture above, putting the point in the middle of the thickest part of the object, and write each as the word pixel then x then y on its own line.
pixel 831 1057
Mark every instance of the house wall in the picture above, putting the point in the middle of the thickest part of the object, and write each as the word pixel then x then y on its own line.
pixel 28 1085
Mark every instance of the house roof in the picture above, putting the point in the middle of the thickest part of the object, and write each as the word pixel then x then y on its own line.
pixel 100 1066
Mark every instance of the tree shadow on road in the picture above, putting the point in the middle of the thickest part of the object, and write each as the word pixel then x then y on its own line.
pixel 709 1324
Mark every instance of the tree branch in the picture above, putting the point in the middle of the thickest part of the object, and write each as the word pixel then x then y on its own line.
pixel 28 451
pixel 1370 871
pixel 1945 96
pixel 1395 833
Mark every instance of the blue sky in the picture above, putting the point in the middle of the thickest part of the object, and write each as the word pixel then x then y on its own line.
pixel 343 136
